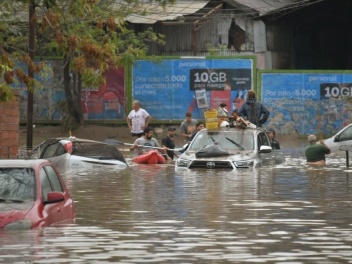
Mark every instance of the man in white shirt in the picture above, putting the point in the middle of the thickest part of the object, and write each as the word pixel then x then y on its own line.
pixel 137 120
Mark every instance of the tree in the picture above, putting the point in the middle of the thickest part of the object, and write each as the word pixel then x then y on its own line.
pixel 89 35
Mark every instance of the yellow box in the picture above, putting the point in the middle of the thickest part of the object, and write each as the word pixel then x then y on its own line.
pixel 212 125
pixel 211 119
pixel 211 113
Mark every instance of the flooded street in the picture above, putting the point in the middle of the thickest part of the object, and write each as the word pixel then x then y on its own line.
pixel 290 213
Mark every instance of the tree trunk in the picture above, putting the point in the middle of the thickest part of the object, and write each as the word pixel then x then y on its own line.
pixel 73 86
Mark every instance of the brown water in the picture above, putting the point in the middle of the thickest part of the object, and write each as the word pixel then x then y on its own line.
pixel 153 214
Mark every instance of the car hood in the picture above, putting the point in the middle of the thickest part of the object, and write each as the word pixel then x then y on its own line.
pixel 233 156
pixel 12 211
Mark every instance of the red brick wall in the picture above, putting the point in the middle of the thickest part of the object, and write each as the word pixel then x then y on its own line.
pixel 9 130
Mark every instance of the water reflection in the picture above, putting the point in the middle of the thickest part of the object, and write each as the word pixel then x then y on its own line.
pixel 290 213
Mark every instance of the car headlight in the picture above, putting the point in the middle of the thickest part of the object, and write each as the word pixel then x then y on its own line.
pixel 244 163
pixel 19 225
pixel 183 162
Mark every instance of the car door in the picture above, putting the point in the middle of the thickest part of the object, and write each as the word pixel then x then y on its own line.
pixel 263 140
pixel 66 206
pixel 344 138
pixel 50 182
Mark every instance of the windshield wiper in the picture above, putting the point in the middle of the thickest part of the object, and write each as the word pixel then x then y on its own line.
pixel 3 200
pixel 234 142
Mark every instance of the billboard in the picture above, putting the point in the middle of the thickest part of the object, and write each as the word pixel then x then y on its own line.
pixel 106 102
pixel 307 102
pixel 169 88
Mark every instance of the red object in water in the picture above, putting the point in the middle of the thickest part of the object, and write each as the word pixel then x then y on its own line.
pixel 152 157
pixel 33 195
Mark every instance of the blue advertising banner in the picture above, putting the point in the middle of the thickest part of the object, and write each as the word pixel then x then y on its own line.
pixel 305 103
pixel 169 88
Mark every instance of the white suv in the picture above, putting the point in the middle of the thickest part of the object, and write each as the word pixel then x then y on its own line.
pixel 341 138
pixel 229 148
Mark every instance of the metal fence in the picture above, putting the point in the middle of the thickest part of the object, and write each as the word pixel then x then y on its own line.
pixel 13 152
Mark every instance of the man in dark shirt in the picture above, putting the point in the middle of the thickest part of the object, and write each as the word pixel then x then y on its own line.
pixel 200 126
pixel 168 142
pixel 274 143
pixel 254 111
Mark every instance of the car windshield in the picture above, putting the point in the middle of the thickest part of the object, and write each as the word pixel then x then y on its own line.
pixel 17 184
pixel 229 140
pixel 97 150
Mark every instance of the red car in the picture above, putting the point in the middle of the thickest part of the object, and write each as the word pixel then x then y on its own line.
pixel 32 194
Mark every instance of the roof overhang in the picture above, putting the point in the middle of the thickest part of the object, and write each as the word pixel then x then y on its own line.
pixel 151 13
pixel 267 7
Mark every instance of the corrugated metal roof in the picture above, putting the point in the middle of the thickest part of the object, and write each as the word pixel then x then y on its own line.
pixel 150 13
pixel 154 13
pixel 265 7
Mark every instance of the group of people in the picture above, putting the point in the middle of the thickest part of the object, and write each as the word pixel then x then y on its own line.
pixel 138 121
pixel 251 114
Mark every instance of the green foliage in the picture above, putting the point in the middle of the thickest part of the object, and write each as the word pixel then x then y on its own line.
pixel 215 51
pixel 91 34
pixel 6 93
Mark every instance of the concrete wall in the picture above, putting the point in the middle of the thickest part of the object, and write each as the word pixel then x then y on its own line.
pixel 9 129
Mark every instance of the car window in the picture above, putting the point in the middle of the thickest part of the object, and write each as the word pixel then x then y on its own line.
pixel 17 184
pixel 54 179
pixel 96 150
pixel 60 150
pixel 229 140
pixel 346 134
pixel 53 150
pixel 45 183
pixel 263 140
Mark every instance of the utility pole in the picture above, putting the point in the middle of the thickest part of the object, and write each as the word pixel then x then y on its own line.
pixel 31 50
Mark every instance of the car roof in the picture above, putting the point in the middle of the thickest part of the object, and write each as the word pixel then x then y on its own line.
pixel 72 139
pixel 82 140
pixel 22 163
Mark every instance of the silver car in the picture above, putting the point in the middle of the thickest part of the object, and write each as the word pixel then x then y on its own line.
pixel 77 154
pixel 229 148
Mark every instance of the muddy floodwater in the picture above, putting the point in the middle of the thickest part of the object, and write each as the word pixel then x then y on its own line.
pixel 290 213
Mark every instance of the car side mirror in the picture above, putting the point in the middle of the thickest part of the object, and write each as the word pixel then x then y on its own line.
pixel 265 149
pixel 54 197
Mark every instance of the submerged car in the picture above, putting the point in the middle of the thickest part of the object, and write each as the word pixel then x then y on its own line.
pixel 76 154
pixel 32 194
pixel 229 148
pixel 341 138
